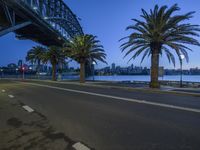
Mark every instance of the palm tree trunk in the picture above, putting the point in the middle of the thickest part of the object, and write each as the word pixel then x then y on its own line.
pixel 38 66
pixel 155 67
pixel 54 72
pixel 82 72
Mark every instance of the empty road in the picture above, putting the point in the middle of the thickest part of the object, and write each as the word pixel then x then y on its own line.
pixel 114 119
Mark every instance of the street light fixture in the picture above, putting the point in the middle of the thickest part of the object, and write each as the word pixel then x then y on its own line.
pixel 181 63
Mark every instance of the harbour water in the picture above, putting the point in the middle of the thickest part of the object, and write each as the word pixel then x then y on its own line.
pixel 189 78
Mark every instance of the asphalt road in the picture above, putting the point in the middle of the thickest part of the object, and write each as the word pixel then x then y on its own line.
pixel 114 119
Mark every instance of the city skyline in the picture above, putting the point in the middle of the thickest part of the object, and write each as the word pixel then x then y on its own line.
pixel 109 27
pixel 111 66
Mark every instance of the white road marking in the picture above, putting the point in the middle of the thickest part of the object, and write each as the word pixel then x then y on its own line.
pixel 11 96
pixel 3 91
pixel 121 98
pixel 27 108
pixel 79 146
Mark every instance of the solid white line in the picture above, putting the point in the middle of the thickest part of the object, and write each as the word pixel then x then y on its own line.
pixel 27 108
pixel 121 98
pixel 11 96
pixel 79 146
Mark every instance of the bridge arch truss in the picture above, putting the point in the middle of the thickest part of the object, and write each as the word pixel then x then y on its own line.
pixel 54 14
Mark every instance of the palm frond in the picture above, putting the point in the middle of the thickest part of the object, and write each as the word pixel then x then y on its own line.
pixel 85 48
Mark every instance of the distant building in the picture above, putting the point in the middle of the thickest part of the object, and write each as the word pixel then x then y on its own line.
pixel 113 67
pixel 195 71
pixel 12 66
pixel 71 69
pixel 20 63
pixel 65 66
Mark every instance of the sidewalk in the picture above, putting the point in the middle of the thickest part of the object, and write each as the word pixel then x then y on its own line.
pixel 145 86
pixel 21 130
pixel 125 85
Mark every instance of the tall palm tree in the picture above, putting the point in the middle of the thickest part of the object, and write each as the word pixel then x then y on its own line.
pixel 53 55
pixel 35 55
pixel 83 49
pixel 160 32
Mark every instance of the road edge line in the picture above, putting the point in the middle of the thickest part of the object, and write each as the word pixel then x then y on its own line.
pixel 80 146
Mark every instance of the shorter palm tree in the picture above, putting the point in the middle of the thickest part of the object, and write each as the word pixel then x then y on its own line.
pixel 83 49
pixel 35 54
pixel 53 55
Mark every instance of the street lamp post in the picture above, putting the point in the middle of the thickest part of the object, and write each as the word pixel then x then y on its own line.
pixel 30 69
pixel 23 76
pixel 93 69
pixel 17 72
pixel 181 63
pixel 1 73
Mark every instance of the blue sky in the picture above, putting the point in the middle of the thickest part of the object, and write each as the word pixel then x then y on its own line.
pixel 108 19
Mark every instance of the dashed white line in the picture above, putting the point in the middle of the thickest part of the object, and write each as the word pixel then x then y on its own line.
pixel 27 108
pixel 11 96
pixel 121 98
pixel 80 146
pixel 3 91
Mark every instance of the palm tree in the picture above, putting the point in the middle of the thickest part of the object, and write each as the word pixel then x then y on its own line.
pixel 160 32
pixel 35 55
pixel 83 49
pixel 54 55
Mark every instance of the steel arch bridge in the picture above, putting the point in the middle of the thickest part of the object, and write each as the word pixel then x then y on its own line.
pixel 48 22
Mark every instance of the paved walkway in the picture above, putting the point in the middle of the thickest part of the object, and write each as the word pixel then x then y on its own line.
pixel 129 85
pixel 145 86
